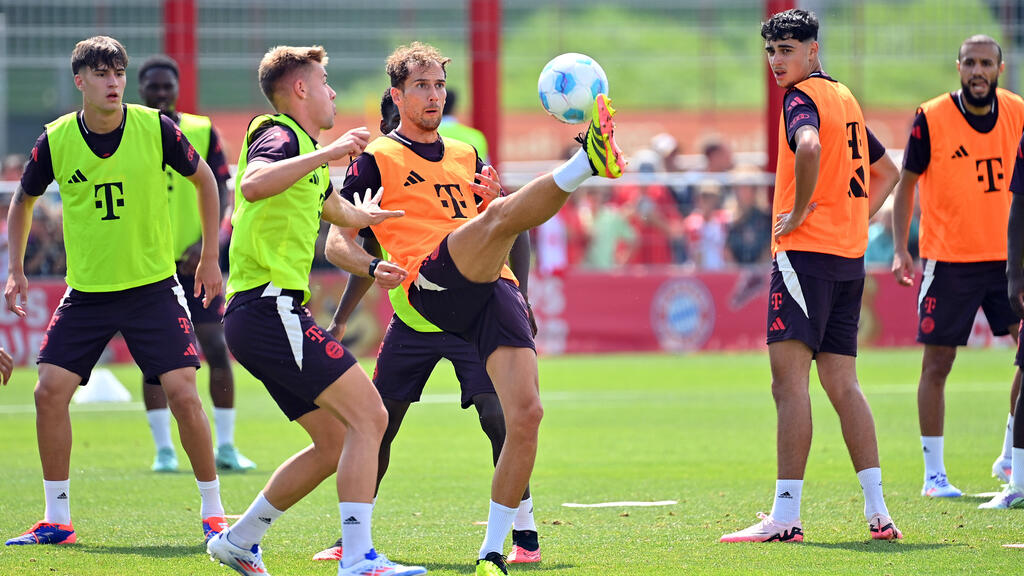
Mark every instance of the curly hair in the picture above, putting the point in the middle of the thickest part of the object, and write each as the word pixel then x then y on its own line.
pixel 416 54
pixel 281 61
pixel 797 24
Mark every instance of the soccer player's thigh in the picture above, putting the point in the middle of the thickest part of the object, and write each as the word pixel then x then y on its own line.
pixel 480 247
pixel 798 308
pixel 404 362
pixel 157 329
pixel 840 335
pixel 79 330
pixel 283 348
pixel 948 301
pixel 996 305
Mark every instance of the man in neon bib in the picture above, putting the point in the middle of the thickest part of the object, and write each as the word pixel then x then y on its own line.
pixel 158 87
pixel 108 160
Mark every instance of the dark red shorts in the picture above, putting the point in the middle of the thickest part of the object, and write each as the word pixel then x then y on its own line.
pixel 824 314
pixel 949 298
pixel 407 357
pixel 274 337
pixel 488 315
pixel 153 320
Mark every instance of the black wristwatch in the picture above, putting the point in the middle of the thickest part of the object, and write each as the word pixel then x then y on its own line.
pixel 373 266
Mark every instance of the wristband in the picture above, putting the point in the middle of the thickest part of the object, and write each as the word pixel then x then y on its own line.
pixel 373 266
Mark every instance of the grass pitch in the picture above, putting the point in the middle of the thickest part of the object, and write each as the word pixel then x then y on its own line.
pixel 696 429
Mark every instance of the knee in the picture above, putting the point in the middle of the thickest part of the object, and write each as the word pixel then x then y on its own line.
pixel 937 364
pixel 216 352
pixel 183 400
pixel 526 416
pixel 376 422
pixel 496 215
pixel 46 393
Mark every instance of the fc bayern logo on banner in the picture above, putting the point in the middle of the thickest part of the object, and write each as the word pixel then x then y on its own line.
pixel 682 314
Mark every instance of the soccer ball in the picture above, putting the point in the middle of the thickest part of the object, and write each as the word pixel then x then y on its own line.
pixel 568 85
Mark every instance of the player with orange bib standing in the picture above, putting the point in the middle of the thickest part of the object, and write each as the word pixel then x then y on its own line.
pixel 959 156
pixel 832 175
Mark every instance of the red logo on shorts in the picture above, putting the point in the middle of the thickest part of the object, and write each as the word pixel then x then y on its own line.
pixel 334 350
pixel 315 334
pixel 927 325
pixel 929 304
pixel 776 300
pixel 186 326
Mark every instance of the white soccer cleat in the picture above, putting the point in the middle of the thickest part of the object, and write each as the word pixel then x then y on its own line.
pixel 938 486
pixel 245 562
pixel 1001 469
pixel 768 530
pixel 374 564
pixel 1011 497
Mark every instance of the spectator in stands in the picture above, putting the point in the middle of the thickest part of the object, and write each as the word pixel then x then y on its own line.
pixel 653 214
pixel 13 166
pixel 717 155
pixel 749 236
pixel 706 228
pixel 611 238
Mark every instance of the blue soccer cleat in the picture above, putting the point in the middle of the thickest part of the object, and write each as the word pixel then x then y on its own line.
pixel 46 533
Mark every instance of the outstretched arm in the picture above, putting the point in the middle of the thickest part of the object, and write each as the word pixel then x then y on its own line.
pixel 355 288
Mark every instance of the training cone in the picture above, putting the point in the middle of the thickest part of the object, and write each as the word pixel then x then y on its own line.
pixel 103 387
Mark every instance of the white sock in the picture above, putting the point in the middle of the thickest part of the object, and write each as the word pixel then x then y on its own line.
pixel 499 522
pixel 1008 438
pixel 57 493
pixel 251 527
pixel 160 427
pixel 524 516
pixel 871 484
pixel 1017 474
pixel 356 519
pixel 574 172
pixel 224 423
pixel 932 448
pixel 210 494
pixel 786 508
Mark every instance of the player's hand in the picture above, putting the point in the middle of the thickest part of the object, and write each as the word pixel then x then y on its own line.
pixel 1015 288
pixel 17 284
pixel 489 187
pixel 208 277
pixel 350 143
pixel 337 329
pixel 388 275
pixel 368 211
pixel 190 260
pixel 787 222
pixel 6 366
pixel 903 267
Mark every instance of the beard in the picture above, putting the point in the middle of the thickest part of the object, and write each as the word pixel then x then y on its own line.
pixel 427 124
pixel 979 101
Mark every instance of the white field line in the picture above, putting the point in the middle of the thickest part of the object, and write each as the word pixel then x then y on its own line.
pixel 620 504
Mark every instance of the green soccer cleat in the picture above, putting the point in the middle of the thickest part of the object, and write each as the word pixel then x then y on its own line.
pixel 230 459
pixel 165 461
pixel 606 159
pixel 491 565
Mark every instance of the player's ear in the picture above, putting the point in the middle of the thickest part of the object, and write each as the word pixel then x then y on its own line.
pixel 78 82
pixel 299 87
pixel 813 50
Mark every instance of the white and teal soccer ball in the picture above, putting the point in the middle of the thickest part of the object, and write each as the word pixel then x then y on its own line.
pixel 568 85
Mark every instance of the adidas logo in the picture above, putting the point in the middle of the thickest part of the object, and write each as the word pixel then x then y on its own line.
pixel 961 152
pixel 63 496
pixel 191 350
pixel 351 521
pixel 77 177
pixel 777 325
pixel 926 450
pixel 786 495
pixel 265 520
pixel 413 178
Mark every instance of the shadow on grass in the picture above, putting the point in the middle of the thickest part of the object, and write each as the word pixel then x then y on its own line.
pixel 881 547
pixel 161 551
pixel 466 568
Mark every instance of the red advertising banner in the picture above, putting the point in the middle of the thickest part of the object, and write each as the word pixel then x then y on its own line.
pixel 579 312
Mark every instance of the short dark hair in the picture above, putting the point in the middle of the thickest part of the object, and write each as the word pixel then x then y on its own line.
pixel 280 61
pixel 797 24
pixel 387 112
pixel 401 61
pixel 98 51
pixel 450 101
pixel 158 61
pixel 980 39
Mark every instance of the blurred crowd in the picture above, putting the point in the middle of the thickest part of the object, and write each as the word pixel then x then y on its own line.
pixel 717 217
